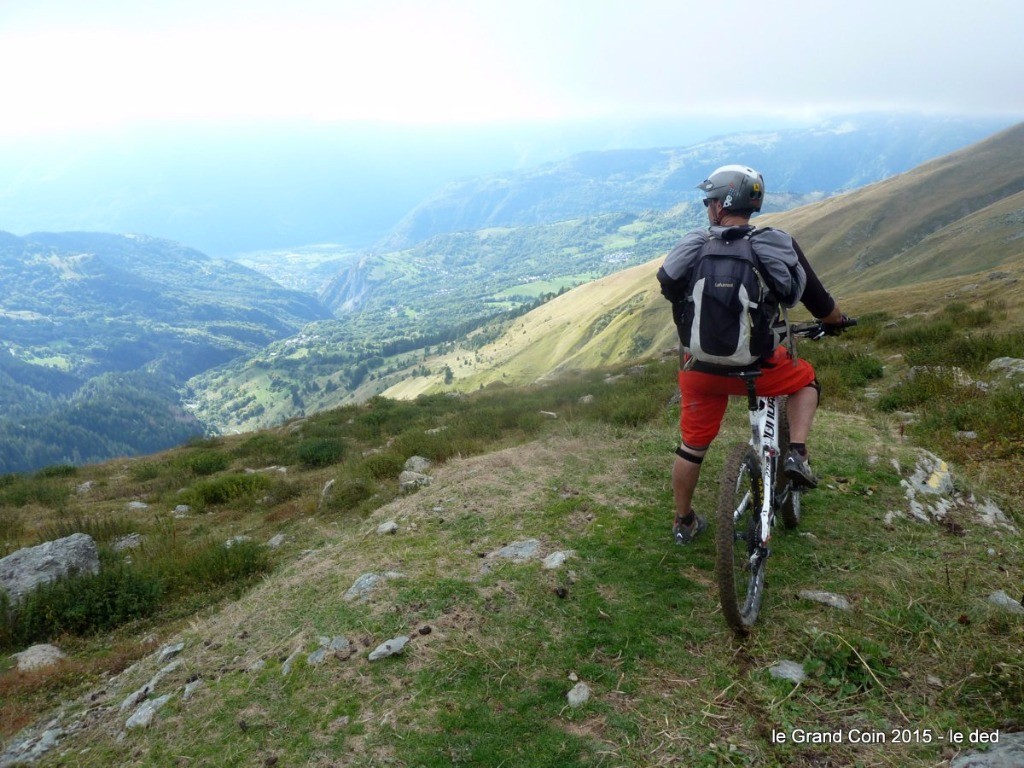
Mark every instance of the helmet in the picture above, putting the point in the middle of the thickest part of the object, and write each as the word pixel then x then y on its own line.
pixel 739 188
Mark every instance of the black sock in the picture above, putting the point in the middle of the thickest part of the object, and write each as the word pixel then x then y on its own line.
pixel 689 519
pixel 800 448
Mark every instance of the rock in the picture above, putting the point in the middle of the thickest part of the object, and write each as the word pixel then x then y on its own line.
pixel 286 668
pixel 190 689
pixel 234 540
pixel 827 598
pixel 417 464
pixel 410 481
pixel 136 506
pixel 1007 603
pixel 131 541
pixel 991 515
pixel 788 670
pixel 85 487
pixel 277 541
pixel 39 657
pixel 520 550
pixel 579 695
pixel 182 510
pixel 586 400
pixel 168 652
pixel 24 570
pixel 1009 366
pixel 143 716
pixel 392 647
pixel 931 475
pixel 390 527
pixel 317 657
pixel 1008 752
pixel 139 695
pixel 557 559
pixel 368 582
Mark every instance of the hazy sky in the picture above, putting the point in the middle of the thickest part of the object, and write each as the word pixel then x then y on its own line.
pixel 69 65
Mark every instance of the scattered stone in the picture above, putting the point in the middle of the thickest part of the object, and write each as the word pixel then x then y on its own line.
pixel 85 487
pixel 1007 753
pixel 1009 366
pixel 520 550
pixel 168 652
pixel 286 668
pixel 277 541
pixel 317 657
pixel 131 541
pixel 1002 600
pixel 134 698
pixel 931 475
pixel 39 657
pixel 191 688
pixel 436 430
pixel 234 540
pixel 788 670
pixel 587 400
pixel 137 505
pixel 143 717
pixel 417 464
pixel 827 598
pixel 411 481
pixel 24 570
pixel 390 527
pixel 557 559
pixel 182 510
pixel 579 695
pixel 392 647
pixel 967 435
pixel 368 582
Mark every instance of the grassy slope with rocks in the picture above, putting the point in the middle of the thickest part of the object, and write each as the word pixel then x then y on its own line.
pixel 630 615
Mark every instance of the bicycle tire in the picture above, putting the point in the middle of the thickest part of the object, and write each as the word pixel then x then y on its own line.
pixel 788 498
pixel 740 584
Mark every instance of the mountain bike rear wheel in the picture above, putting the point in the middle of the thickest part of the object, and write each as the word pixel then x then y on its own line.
pixel 740 562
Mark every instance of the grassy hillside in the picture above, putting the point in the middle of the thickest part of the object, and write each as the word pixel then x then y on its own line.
pixel 496 644
pixel 956 215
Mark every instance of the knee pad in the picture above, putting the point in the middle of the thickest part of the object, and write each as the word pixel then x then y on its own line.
pixel 685 455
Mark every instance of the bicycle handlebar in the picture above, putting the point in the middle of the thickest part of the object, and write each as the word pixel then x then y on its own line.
pixel 818 329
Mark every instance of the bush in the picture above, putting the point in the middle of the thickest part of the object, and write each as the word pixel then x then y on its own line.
pixel 101 529
pixel 321 452
pixel 222 490
pixel 203 462
pixel 80 605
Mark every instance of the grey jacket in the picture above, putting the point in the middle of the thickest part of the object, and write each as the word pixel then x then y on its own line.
pixel 776 255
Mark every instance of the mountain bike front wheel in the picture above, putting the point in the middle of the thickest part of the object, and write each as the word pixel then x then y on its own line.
pixel 740 562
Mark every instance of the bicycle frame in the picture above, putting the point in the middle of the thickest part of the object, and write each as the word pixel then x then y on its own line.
pixel 764 438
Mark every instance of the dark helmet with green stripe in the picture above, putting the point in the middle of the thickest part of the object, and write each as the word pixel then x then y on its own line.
pixel 740 189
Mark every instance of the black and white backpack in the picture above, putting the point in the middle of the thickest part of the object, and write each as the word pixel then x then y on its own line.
pixel 727 315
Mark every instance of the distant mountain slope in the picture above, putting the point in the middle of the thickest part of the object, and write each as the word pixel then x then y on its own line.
pixel 959 216
pixel 833 157
pixel 952 216
pixel 96 331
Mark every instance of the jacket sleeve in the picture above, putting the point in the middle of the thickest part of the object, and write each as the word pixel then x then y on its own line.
pixel 780 264
pixel 674 273
pixel 816 298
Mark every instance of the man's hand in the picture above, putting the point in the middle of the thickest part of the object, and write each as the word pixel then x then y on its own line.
pixel 834 328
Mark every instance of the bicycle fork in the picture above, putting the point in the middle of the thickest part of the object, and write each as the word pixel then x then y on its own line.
pixel 764 438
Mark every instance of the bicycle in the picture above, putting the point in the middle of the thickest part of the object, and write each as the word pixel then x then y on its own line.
pixel 753 490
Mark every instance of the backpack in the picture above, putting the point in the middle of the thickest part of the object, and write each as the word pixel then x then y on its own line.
pixel 726 317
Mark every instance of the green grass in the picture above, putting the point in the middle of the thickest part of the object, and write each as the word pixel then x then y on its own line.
pixel 631 615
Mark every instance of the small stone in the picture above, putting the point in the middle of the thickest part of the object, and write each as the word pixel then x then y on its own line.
pixel 169 652
pixel 1007 603
pixel 137 505
pixel 392 647
pixel 277 541
pixel 579 695
pixel 390 527
pixel 788 670
pixel 557 559
pixel 827 598
pixel 143 717
pixel 191 688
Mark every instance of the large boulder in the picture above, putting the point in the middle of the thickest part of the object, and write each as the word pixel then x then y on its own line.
pixel 24 570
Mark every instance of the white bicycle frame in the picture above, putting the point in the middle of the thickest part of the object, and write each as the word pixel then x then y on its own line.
pixel 764 439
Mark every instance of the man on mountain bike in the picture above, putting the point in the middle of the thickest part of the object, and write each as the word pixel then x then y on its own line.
pixel 733 193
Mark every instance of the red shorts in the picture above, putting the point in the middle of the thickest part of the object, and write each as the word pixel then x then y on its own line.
pixel 705 396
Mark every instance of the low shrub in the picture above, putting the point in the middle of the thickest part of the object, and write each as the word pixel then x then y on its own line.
pixel 203 462
pixel 223 490
pixel 320 452
pixel 80 605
